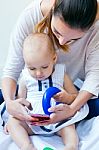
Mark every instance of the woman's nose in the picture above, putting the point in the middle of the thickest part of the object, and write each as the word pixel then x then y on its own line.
pixel 62 40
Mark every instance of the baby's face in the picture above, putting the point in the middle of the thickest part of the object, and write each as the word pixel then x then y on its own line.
pixel 41 65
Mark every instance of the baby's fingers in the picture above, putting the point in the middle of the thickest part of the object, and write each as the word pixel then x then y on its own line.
pixel 5 129
pixel 57 96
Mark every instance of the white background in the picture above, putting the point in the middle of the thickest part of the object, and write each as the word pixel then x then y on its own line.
pixel 9 13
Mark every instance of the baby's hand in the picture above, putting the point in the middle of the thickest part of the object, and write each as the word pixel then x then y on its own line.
pixel 5 129
pixel 62 96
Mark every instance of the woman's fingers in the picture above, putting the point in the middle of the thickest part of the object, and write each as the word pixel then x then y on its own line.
pixel 60 112
pixel 23 116
pixel 59 107
pixel 57 117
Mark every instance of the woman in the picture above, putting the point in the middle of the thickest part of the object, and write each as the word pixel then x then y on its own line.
pixel 73 23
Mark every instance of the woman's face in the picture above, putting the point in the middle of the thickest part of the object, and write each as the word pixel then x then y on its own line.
pixel 63 32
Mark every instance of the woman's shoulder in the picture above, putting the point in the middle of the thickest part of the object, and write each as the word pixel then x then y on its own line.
pixel 43 5
pixel 60 68
pixel 46 6
pixel 33 4
pixel 33 8
pixel 34 12
pixel 96 25
pixel 94 30
pixel 28 18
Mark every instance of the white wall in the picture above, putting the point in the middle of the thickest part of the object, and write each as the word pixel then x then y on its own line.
pixel 9 12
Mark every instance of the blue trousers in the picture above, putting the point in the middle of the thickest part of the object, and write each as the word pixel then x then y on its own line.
pixel 93 108
pixel 1 97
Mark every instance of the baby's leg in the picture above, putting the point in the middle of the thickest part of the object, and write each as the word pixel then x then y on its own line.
pixel 20 132
pixel 69 137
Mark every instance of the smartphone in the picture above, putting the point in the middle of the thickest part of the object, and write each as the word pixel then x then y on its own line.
pixel 41 117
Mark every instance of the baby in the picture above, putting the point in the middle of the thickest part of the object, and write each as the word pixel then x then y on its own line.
pixel 41 72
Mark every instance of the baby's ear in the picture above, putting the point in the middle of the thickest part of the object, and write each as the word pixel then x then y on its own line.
pixel 55 58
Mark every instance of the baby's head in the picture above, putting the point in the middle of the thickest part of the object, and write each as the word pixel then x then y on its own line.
pixel 39 55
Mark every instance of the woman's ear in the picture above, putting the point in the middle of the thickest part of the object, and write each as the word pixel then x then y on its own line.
pixel 52 2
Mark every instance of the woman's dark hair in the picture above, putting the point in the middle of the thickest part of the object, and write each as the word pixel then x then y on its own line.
pixel 44 24
pixel 78 14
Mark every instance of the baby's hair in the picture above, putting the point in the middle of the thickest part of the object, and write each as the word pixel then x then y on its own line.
pixel 38 40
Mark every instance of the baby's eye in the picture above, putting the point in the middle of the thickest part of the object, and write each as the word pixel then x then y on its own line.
pixel 44 67
pixel 32 68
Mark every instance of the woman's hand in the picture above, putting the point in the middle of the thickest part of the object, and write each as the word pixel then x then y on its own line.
pixel 60 112
pixel 17 108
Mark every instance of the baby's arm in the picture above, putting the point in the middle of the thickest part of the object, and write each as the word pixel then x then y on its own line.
pixel 69 93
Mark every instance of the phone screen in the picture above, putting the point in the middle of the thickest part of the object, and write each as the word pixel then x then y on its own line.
pixel 41 117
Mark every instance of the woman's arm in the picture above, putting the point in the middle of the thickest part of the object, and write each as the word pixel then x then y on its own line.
pixel 64 111
pixel 14 107
pixel 15 62
pixel 8 89
pixel 80 100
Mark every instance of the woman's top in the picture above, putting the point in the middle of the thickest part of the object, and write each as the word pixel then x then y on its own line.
pixel 82 60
